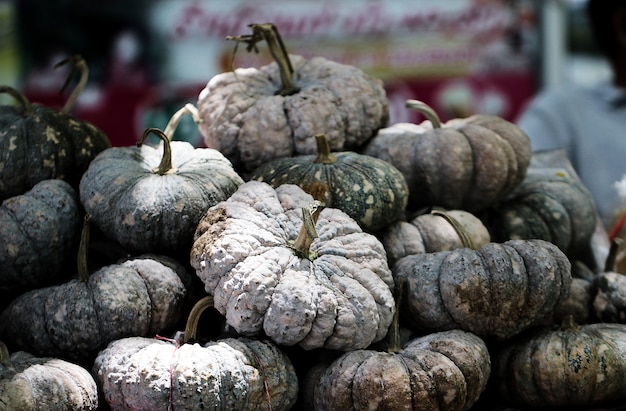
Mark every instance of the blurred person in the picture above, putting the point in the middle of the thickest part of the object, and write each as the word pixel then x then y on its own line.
pixel 589 122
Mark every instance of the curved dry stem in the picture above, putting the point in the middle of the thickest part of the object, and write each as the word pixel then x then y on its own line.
pixel 165 166
pixel 466 239
pixel 308 233
pixel 187 109
pixel 191 326
pixel 426 110
pixel 83 250
pixel 78 65
pixel 21 99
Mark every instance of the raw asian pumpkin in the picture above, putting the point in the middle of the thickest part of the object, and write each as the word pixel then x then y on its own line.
pixel 468 164
pixel 280 267
pixel 148 374
pixel 39 143
pixel 150 199
pixel 35 383
pixel 256 115
pixel 368 189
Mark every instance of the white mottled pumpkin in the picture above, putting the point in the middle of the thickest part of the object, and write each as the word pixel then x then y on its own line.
pixel 329 288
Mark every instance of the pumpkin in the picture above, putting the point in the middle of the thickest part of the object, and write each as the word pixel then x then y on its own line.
pixel 40 143
pixel 370 190
pixel 150 374
pixel 447 370
pixel 429 232
pixel 139 296
pixel 280 265
pixel 256 115
pixel 495 292
pixel 39 231
pixel 35 383
pixel 469 164
pixel 550 205
pixel 572 366
pixel 150 199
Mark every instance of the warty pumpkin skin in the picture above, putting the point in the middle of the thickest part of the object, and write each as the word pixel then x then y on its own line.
pixel 43 384
pixel 137 297
pixel 150 199
pixel 39 231
pixel 495 292
pixel 438 230
pixel 39 143
pixel 469 164
pixel 336 296
pixel 368 189
pixel 247 116
pixel 444 371
pixel 569 367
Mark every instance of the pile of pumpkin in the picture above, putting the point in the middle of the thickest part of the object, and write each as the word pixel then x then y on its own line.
pixel 311 257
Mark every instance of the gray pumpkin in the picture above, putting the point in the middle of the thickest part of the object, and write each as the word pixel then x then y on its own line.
pixel 35 383
pixel 137 297
pixel 330 287
pixel 495 292
pixel 150 199
pixel 39 231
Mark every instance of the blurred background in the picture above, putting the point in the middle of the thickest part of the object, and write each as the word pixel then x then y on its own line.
pixel 148 58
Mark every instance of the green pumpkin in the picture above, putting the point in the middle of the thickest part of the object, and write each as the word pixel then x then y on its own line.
pixel 39 143
pixel 370 190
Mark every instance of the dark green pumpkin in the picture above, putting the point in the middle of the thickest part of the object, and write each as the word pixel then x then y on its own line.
pixel 370 190
pixel 39 143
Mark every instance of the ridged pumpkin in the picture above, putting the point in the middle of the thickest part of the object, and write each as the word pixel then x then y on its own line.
pixel 274 270
pixel 137 297
pixel 35 383
pixel 243 374
pixel 468 164
pixel 437 230
pixel 496 292
pixel 40 143
pixel 150 199
pixel 569 367
pixel 256 115
pixel 550 205
pixel 39 231
pixel 368 189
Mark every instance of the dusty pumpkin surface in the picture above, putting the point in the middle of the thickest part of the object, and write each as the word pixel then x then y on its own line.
pixel 338 296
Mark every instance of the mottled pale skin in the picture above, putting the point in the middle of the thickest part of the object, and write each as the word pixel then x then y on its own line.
pixel 445 371
pixel 230 374
pixel 245 119
pixel 495 292
pixel 76 319
pixel 572 366
pixel 39 231
pixel 429 233
pixel 32 383
pixel 609 301
pixel 340 298
pixel 148 212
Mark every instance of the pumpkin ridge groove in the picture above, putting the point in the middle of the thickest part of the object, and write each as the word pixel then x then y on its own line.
pixel 440 286
pixel 403 360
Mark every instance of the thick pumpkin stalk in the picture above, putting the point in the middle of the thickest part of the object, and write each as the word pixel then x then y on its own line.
pixel 78 65
pixel 165 166
pixel 270 34
pixel 426 110
pixel 187 109
pixel 466 239
pixel 324 155
pixel 394 344
pixel 4 353
pixel 27 108
pixel 308 233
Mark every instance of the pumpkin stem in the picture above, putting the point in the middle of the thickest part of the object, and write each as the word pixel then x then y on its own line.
pixel 191 327
pixel 324 155
pixel 175 119
pixel 21 99
pixel 393 336
pixel 466 239
pixel 165 167
pixel 269 33
pixel 78 65
pixel 568 323
pixel 81 260
pixel 611 258
pixel 307 233
pixel 5 356
pixel 426 110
